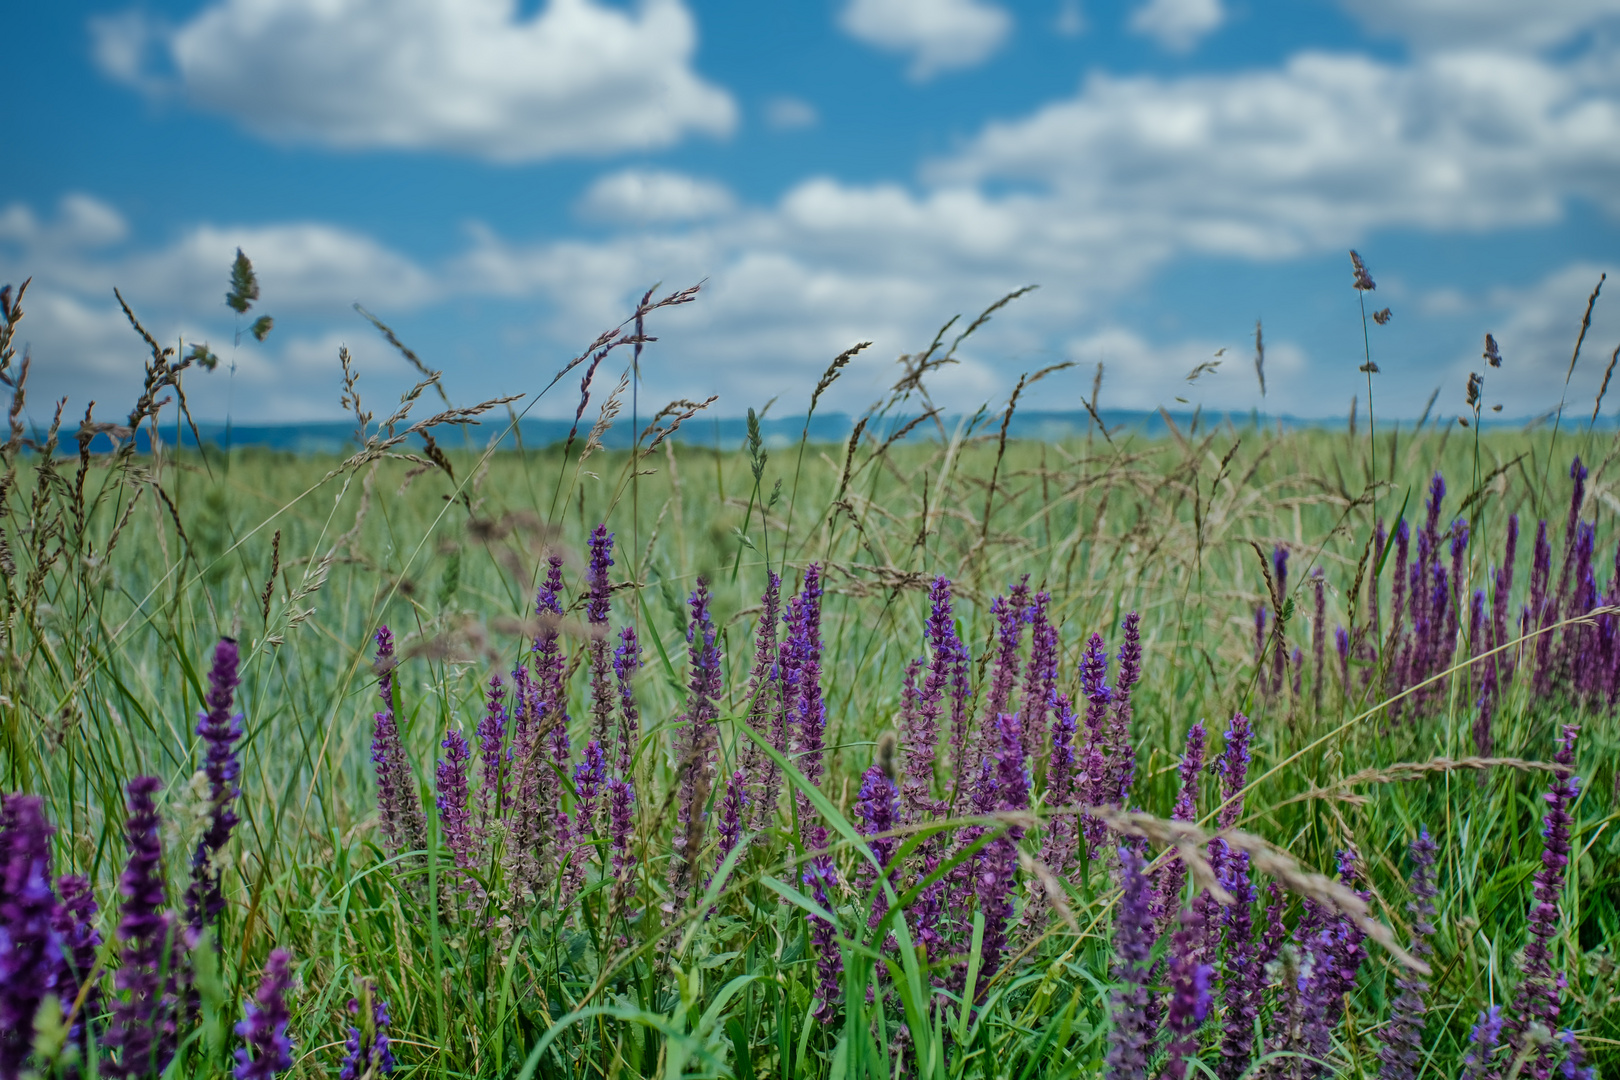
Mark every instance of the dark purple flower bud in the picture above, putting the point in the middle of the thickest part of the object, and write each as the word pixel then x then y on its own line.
pixel 1402 1050
pixel 1189 996
pixel 1131 1036
pixel 30 958
pixel 598 590
pixel 368 1052
pixel 1537 998
pixel 268 1050
pixel 1341 644
pixel 455 815
pixel 141 1010
pixel 1483 1044
pixel 492 755
pixel 732 807
pixel 1318 636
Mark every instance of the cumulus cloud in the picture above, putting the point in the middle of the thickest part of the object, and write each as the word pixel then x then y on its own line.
pixel 1178 25
pixel 580 77
pixel 653 195
pixel 938 35
pixel 1506 24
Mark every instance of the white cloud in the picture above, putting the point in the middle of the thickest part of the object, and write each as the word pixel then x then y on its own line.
pixel 1508 24
pixel 1071 19
pixel 1178 25
pixel 654 195
pixel 939 35
pixel 462 76
pixel 790 114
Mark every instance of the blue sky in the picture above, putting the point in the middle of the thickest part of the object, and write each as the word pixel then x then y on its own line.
pixel 499 180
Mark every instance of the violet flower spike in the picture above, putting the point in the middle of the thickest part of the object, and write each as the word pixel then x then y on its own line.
pixel 878 811
pixel 399 807
pixel 268 1050
pixel 141 1010
pixel 1189 996
pixel 1172 878
pixel 1121 745
pixel 455 815
pixel 732 807
pixel 492 755
pixel 697 754
pixel 368 1051
pixel 1130 1038
pixel 597 608
pixel 626 662
pixel 1402 1050
pixel 1483 1044
pixel 73 923
pixel 1040 678
pixel 29 954
pixel 219 729
pixel 998 867
pixel 1244 986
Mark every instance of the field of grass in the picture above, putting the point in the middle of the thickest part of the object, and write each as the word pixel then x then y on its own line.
pixel 519 954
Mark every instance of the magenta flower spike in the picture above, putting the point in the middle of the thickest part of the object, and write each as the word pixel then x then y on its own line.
pixel 268 1051
pixel 141 1010
pixel 219 729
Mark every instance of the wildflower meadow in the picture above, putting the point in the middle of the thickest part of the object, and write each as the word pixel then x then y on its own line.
pixel 1245 751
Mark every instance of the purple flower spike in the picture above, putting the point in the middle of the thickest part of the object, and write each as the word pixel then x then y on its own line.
pixel 1094 759
pixel 455 816
pixel 1173 877
pixel 598 590
pixel 732 808
pixel 268 1050
pixel 1131 1037
pixel 492 754
pixel 142 1011
pixel 1245 980
pixel 399 807
pixel 696 760
pixel 1402 1052
pixel 1483 1045
pixel 621 830
pixel 998 869
pixel 1574 1066
pixel 1537 999
pixel 73 922
pixel 878 810
pixel 922 741
pixel 1234 766
pixel 1041 677
pixel 820 876
pixel 1189 996
pixel 764 698
pixel 589 777
pixel 368 1053
pixel 626 662
pixel 219 729
pixel 29 958
pixel 1121 746
pixel 1060 777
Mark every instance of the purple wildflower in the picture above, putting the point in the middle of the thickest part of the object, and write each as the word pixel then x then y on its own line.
pixel 29 957
pixel 142 1012
pixel 1574 1066
pixel 1009 613
pixel 1401 1052
pixel 820 875
pixel 1131 1037
pixel 626 662
pixel 1094 759
pixel 1244 983
pixel 492 752
pixel 219 729
pixel 455 816
pixel 1341 644
pixel 73 923
pixel 399 807
pixel 621 826
pixel 764 714
pixel 1363 280
pixel 1483 1044
pixel 1189 996
pixel 1121 747
pixel 1279 572
pixel 732 806
pixel 696 760
pixel 998 868
pixel 809 717
pixel 589 777
pixel 268 1050
pixel 1537 998
pixel 1234 765
pixel 1542 609
pixel 1173 877
pixel 1040 677
pixel 597 606
pixel 878 809
pixel 1318 636
pixel 368 1052
pixel 1059 843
